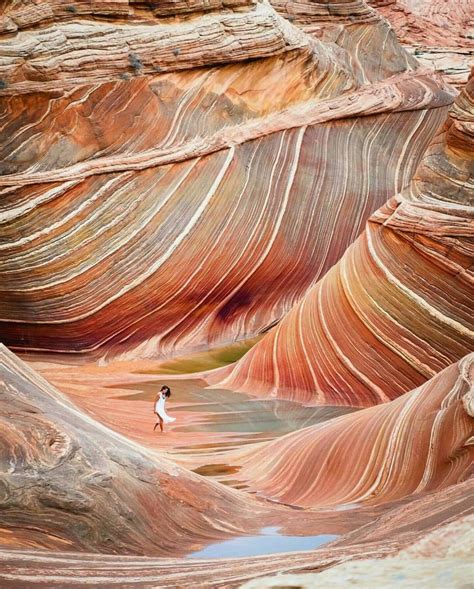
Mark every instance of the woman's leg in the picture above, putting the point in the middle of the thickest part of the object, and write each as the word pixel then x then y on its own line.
pixel 161 424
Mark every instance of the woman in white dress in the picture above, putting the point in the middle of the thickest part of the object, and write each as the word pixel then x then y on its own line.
pixel 161 414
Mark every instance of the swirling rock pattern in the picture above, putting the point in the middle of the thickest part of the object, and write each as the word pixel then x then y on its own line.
pixel 61 293
pixel 439 558
pixel 64 53
pixel 397 308
pixel 386 536
pixel 426 21
pixel 136 220
pixel 417 443
pixel 420 26
pixel 68 483
pixel 366 41
pixel 20 14
pixel 438 34
pixel 176 176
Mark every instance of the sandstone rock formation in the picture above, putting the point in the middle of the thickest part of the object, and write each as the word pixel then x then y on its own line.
pixel 439 34
pixel 62 49
pixel 441 558
pixel 68 483
pixel 365 40
pixel 397 308
pixel 146 199
pixel 177 176
pixel 419 442
pixel 386 536
pixel 392 573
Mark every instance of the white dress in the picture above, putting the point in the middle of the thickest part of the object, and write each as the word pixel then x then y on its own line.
pixel 160 409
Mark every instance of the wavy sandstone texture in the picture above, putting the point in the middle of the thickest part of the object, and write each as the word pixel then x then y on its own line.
pixel 439 33
pixel 68 483
pixel 386 536
pixel 419 442
pixel 397 308
pixel 177 176
pixel 77 498
pixel 366 41
pixel 146 200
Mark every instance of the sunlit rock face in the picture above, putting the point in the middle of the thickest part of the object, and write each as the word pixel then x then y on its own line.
pixel 397 308
pixel 417 443
pixel 68 483
pixel 439 34
pixel 151 206
pixel 64 48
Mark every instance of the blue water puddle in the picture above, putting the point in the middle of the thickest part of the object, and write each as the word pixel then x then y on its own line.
pixel 269 541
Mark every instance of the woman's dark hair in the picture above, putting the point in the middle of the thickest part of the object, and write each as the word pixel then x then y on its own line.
pixel 166 390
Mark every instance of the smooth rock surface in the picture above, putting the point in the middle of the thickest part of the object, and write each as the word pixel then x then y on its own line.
pixel 69 483
pixel 439 559
pixel 146 199
pixel 397 308
pixel 420 442
pixel 182 179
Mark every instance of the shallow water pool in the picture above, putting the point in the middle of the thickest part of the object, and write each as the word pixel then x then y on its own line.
pixel 269 541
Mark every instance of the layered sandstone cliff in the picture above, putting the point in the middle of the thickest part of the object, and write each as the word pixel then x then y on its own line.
pixel 397 308
pixel 69 483
pixel 440 558
pixel 440 34
pixel 177 176
pixel 147 199
pixel 419 442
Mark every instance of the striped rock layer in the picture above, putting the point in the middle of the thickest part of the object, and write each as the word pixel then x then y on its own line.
pixel 69 483
pixel 429 22
pixel 397 308
pixel 440 34
pixel 65 53
pixel 429 529
pixel 20 14
pixel 152 207
pixel 366 41
pixel 419 442
pixel 442 556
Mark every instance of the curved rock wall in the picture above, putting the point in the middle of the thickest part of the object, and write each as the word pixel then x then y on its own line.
pixel 420 442
pixel 69 483
pixel 397 308
pixel 365 40
pixel 438 33
pixel 147 214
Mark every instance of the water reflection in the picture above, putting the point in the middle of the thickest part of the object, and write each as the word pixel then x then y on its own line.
pixel 223 411
pixel 269 541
